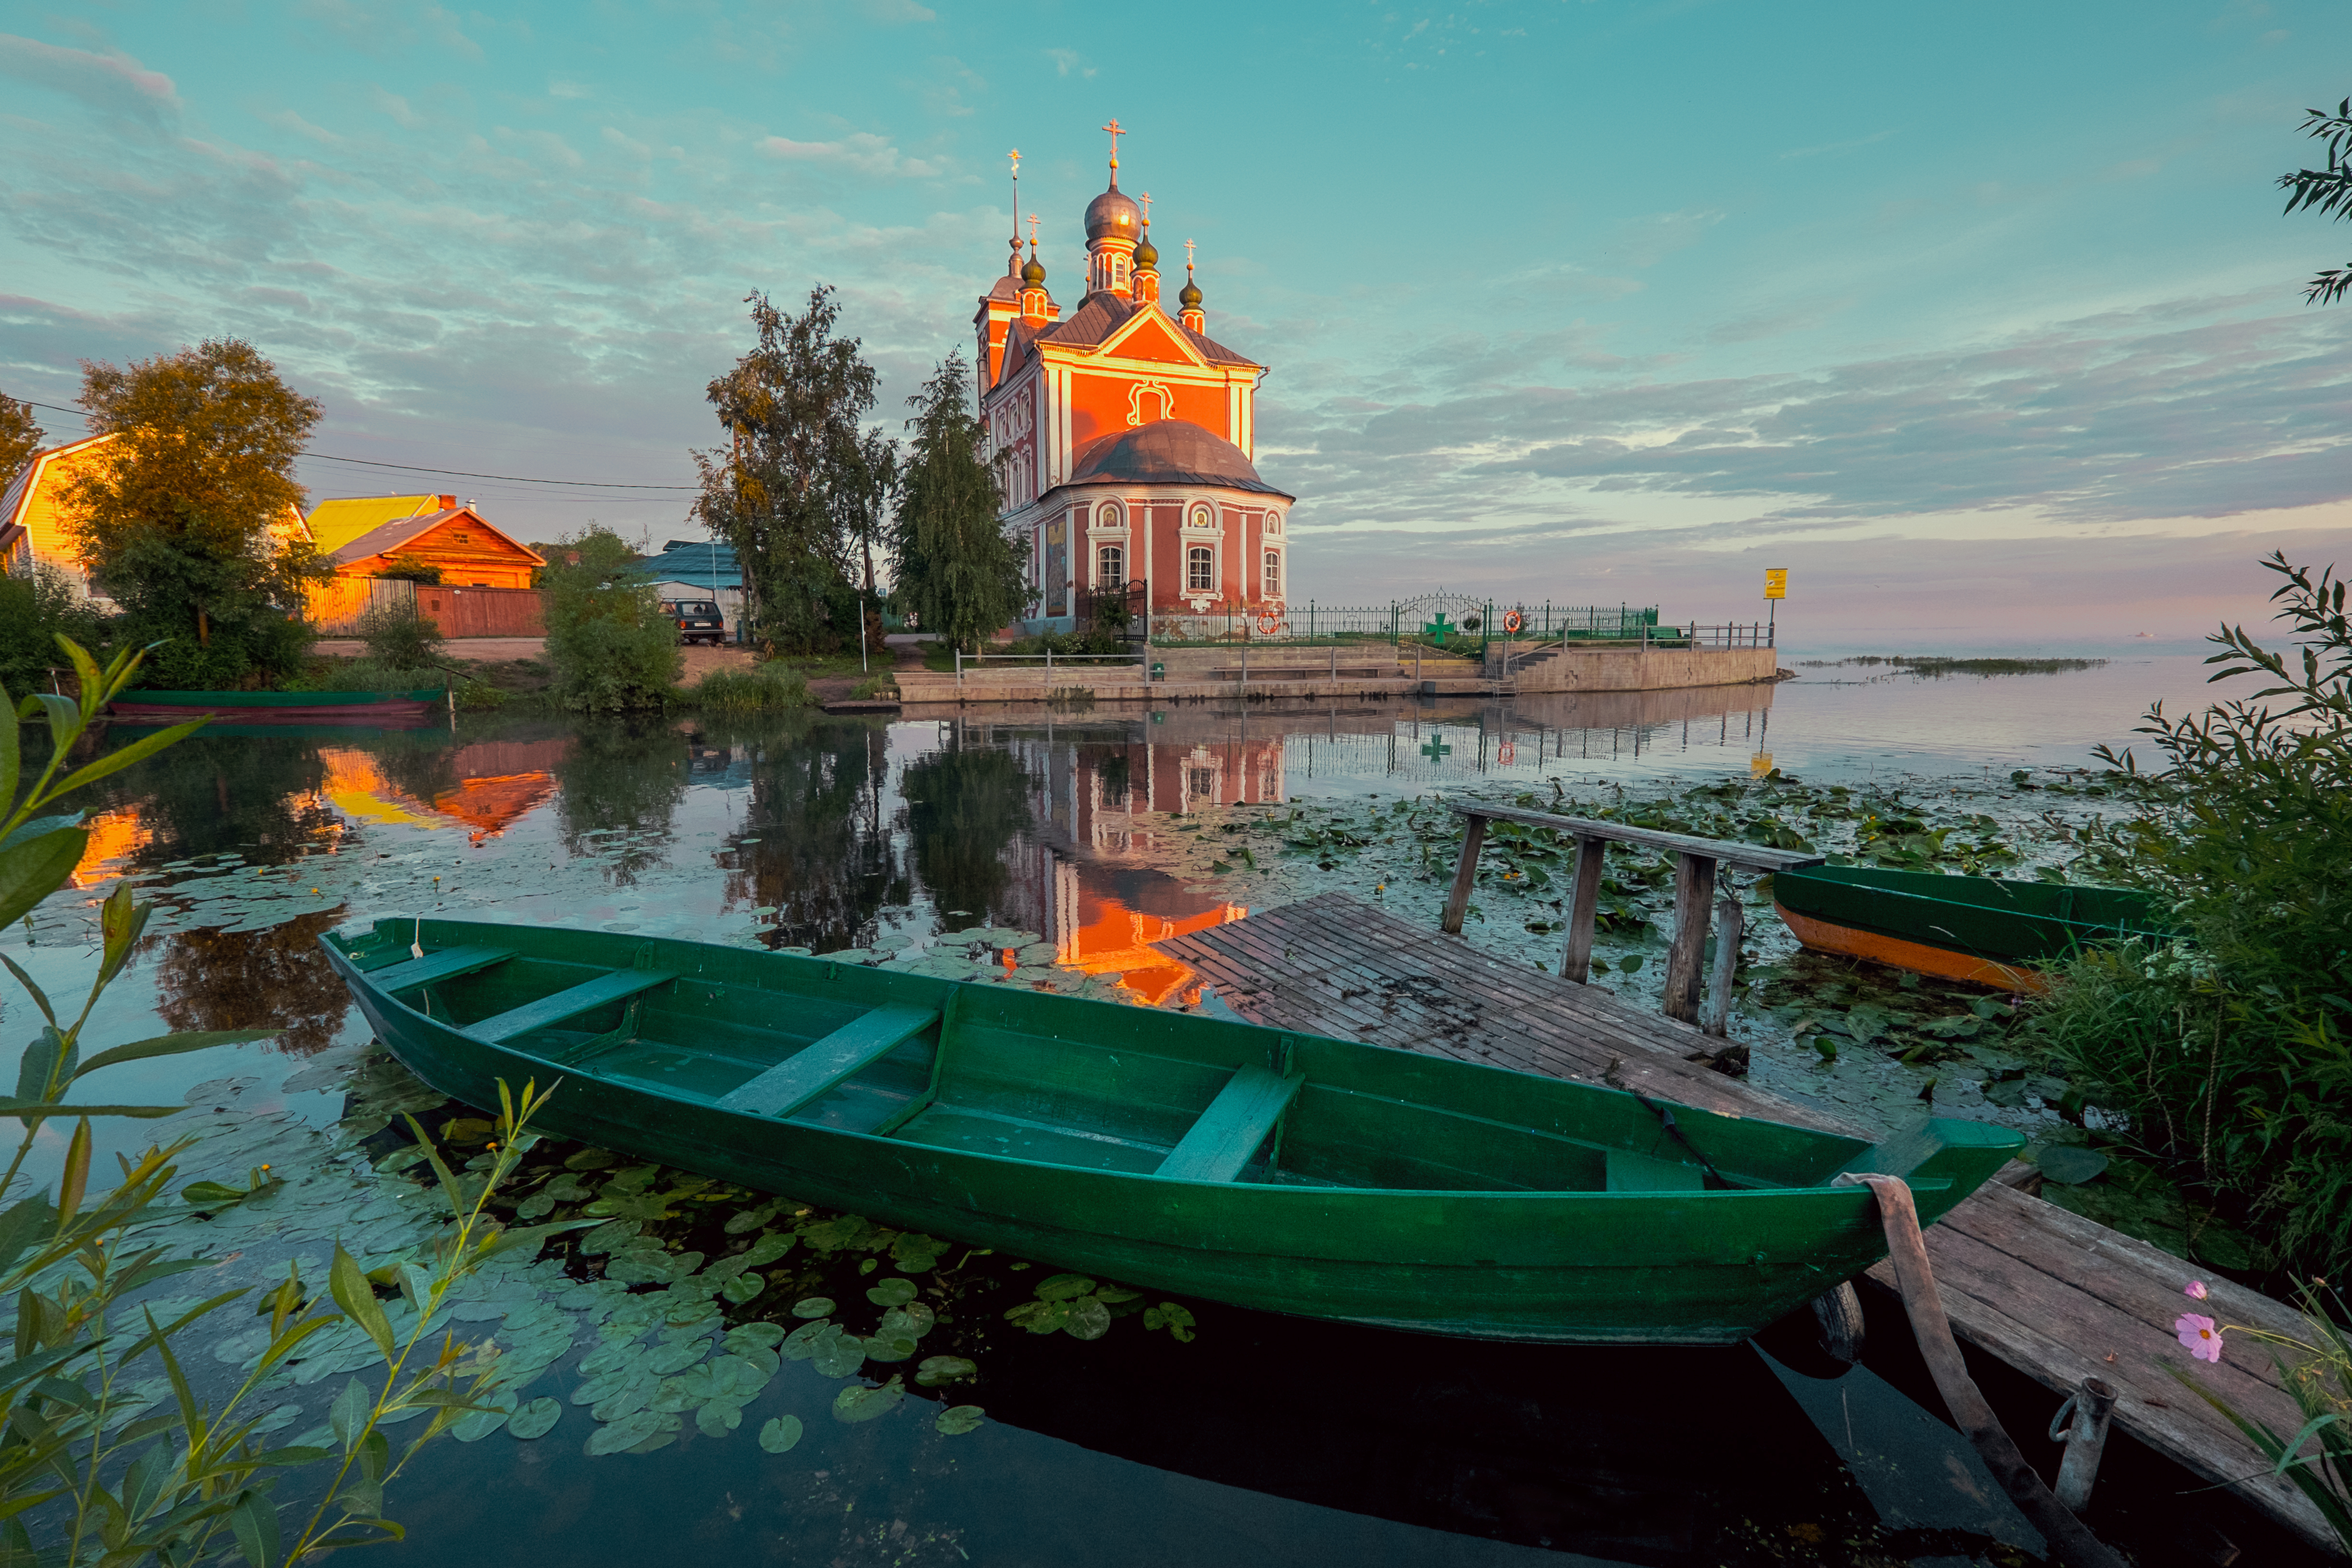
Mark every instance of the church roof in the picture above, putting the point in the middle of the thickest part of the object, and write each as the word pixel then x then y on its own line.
pixel 1168 452
pixel 1102 312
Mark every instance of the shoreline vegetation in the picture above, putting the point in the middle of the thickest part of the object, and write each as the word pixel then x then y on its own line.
pixel 1932 667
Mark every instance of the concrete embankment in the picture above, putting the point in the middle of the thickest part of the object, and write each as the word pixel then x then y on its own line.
pixel 1266 672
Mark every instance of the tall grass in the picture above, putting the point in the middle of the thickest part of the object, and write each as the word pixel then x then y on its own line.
pixel 760 690
pixel 2232 1051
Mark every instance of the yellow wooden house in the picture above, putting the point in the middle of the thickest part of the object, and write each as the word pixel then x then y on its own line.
pixel 35 524
pixel 364 536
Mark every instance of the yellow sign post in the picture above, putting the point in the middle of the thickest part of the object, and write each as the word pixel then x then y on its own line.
pixel 1776 588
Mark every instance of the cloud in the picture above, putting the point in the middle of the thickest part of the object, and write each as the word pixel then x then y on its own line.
pixel 396 107
pixel 569 90
pixel 861 152
pixel 113 83
pixel 1069 62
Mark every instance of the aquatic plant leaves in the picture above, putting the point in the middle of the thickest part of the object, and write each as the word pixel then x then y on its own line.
pixel 889 1347
pixel 913 1253
pixel 2071 1163
pixel 752 1219
pixel 719 1417
pixel 912 1321
pixel 780 1435
pixel 768 1249
pixel 477 1425
pixel 1089 1319
pixel 958 1419
pixel 939 1370
pixel 859 1402
pixel 767 1336
pixel 591 1160
pixel 1040 1317
pixel 801 1343
pixel 837 1353
pixel 892 1293
pixel 742 1288
pixel 844 1231
pixel 1063 1288
pixel 813 1307
pixel 626 1433
pixel 675 1357
pixel 1167 1315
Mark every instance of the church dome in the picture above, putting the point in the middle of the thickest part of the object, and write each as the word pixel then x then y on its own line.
pixel 1033 274
pixel 1188 296
pixel 1112 215
pixel 1168 452
pixel 1146 253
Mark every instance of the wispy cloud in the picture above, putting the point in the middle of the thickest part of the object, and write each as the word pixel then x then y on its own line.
pixel 1069 62
pixel 861 152
pixel 113 83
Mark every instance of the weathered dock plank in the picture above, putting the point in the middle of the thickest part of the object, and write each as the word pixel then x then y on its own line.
pixel 2055 1295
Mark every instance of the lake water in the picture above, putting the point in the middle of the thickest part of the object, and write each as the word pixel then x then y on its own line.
pixel 1053 847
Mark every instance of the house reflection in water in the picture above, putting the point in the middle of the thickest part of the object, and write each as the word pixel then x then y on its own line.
pixel 1105 792
pixel 484 788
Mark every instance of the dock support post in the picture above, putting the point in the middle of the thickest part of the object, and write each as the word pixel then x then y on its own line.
pixel 1457 902
pixel 1730 922
pixel 1576 960
pixel 2082 1424
pixel 2070 1542
pixel 1245 664
pixel 1693 892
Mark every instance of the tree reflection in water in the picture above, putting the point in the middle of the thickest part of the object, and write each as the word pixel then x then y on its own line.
pixel 274 979
pixel 964 804
pixel 622 784
pixel 813 846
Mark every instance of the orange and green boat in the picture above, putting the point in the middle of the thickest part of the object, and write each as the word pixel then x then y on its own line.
pixel 1259 1167
pixel 1985 931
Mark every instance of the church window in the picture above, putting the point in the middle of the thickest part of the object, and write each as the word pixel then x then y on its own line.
pixel 1274 522
pixel 1110 567
pixel 1203 518
pixel 1274 574
pixel 1106 516
pixel 1200 570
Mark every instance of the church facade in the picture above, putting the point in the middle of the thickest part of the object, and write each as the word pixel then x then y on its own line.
pixel 1123 436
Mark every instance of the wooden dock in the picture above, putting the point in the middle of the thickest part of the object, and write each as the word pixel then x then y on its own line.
pixel 2050 1293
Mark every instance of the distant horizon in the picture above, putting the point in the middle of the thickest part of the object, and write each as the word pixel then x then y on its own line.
pixel 1987 323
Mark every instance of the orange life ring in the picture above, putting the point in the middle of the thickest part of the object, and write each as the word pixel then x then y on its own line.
pixel 1269 622
pixel 1513 620
pixel 1506 755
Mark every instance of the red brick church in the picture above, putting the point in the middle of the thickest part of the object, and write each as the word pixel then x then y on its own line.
pixel 1122 435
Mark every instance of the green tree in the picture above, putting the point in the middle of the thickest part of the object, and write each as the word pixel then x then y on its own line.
pixel 789 490
pixel 956 569
pixel 36 607
pixel 612 647
pixel 2327 191
pixel 180 517
pixel 20 437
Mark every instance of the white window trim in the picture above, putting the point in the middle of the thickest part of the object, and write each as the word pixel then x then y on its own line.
pixel 1193 510
pixel 1117 544
pixel 1216 567
pixel 1281 589
pixel 1117 511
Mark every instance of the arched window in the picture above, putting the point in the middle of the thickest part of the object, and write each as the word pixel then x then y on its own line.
pixel 1200 570
pixel 1110 567
pixel 1274 522
pixel 1274 574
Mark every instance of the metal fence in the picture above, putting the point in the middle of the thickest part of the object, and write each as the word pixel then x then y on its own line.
pixel 1440 619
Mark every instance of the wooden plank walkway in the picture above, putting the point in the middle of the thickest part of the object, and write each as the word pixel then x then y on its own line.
pixel 2055 1295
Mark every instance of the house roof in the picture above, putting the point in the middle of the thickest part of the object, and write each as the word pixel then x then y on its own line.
pixel 1102 312
pixel 1168 452
pixel 386 539
pixel 335 523
pixel 696 563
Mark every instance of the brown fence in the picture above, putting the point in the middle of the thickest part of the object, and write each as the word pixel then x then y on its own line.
pixel 334 607
pixel 482 612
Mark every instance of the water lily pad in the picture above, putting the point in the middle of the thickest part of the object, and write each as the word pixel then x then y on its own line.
pixel 889 1347
pixel 910 1321
pixel 743 1288
pixel 914 1252
pixel 662 1436
pixel 892 1293
pixel 677 1356
pixel 838 1353
pixel 535 1419
pixel 768 1249
pixel 627 1431
pixel 958 1419
pixel 1064 1288
pixel 1040 1317
pixel 938 1370
pixel 766 1336
pixel 859 1402
pixel 752 1219
pixel 779 1435
pixel 814 1307
pixel 2071 1163
pixel 801 1343
pixel 719 1417
pixel 477 1425
pixel 1089 1319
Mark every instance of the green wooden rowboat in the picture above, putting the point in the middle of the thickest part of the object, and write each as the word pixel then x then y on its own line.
pixel 1988 931
pixel 1247 1165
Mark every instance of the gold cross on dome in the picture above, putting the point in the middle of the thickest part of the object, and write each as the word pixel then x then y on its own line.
pixel 1188 255
pixel 1144 201
pixel 1015 156
pixel 1115 134
pixel 1032 231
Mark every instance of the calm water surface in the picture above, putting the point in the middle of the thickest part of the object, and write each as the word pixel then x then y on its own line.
pixel 1265 1438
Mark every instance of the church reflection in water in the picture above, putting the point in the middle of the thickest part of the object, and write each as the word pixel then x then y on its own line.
pixel 1106 792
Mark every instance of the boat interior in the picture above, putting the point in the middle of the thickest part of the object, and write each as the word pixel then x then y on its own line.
pixel 999 1071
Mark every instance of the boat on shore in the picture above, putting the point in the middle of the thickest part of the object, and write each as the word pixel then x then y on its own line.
pixel 1259 1167
pixel 1985 931
pixel 399 709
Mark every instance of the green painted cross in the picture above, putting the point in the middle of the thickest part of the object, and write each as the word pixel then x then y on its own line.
pixel 1437 628
pixel 1435 749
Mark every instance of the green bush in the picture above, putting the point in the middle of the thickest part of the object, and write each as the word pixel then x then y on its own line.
pixel 762 689
pixel 397 637
pixel 36 609
pixel 2232 1051
pixel 612 647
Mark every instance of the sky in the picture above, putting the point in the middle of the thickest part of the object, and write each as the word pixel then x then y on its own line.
pixel 1984 320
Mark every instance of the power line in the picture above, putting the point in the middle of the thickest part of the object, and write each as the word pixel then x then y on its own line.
pixel 414 468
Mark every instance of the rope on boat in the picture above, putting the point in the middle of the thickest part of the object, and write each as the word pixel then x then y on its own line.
pixel 2070 1540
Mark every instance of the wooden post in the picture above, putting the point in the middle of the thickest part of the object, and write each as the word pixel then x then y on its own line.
pixel 1457 902
pixel 1245 662
pixel 1576 961
pixel 2082 1424
pixel 1693 891
pixel 1729 921
pixel 2070 1543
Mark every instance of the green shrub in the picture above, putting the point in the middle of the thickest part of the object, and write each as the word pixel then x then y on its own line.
pixel 2232 1049
pixel 397 637
pixel 762 689
pixel 36 609
pixel 612 647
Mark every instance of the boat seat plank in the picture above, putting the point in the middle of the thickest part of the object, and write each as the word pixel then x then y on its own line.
pixel 569 1002
pixel 1631 1173
pixel 447 964
pixel 1220 1144
pixel 816 1067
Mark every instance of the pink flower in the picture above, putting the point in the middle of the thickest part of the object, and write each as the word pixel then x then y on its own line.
pixel 2194 1289
pixel 2199 1334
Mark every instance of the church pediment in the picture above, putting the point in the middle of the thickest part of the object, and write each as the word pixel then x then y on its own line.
pixel 1148 335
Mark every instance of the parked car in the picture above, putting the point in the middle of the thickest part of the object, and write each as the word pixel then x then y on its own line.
pixel 698 620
